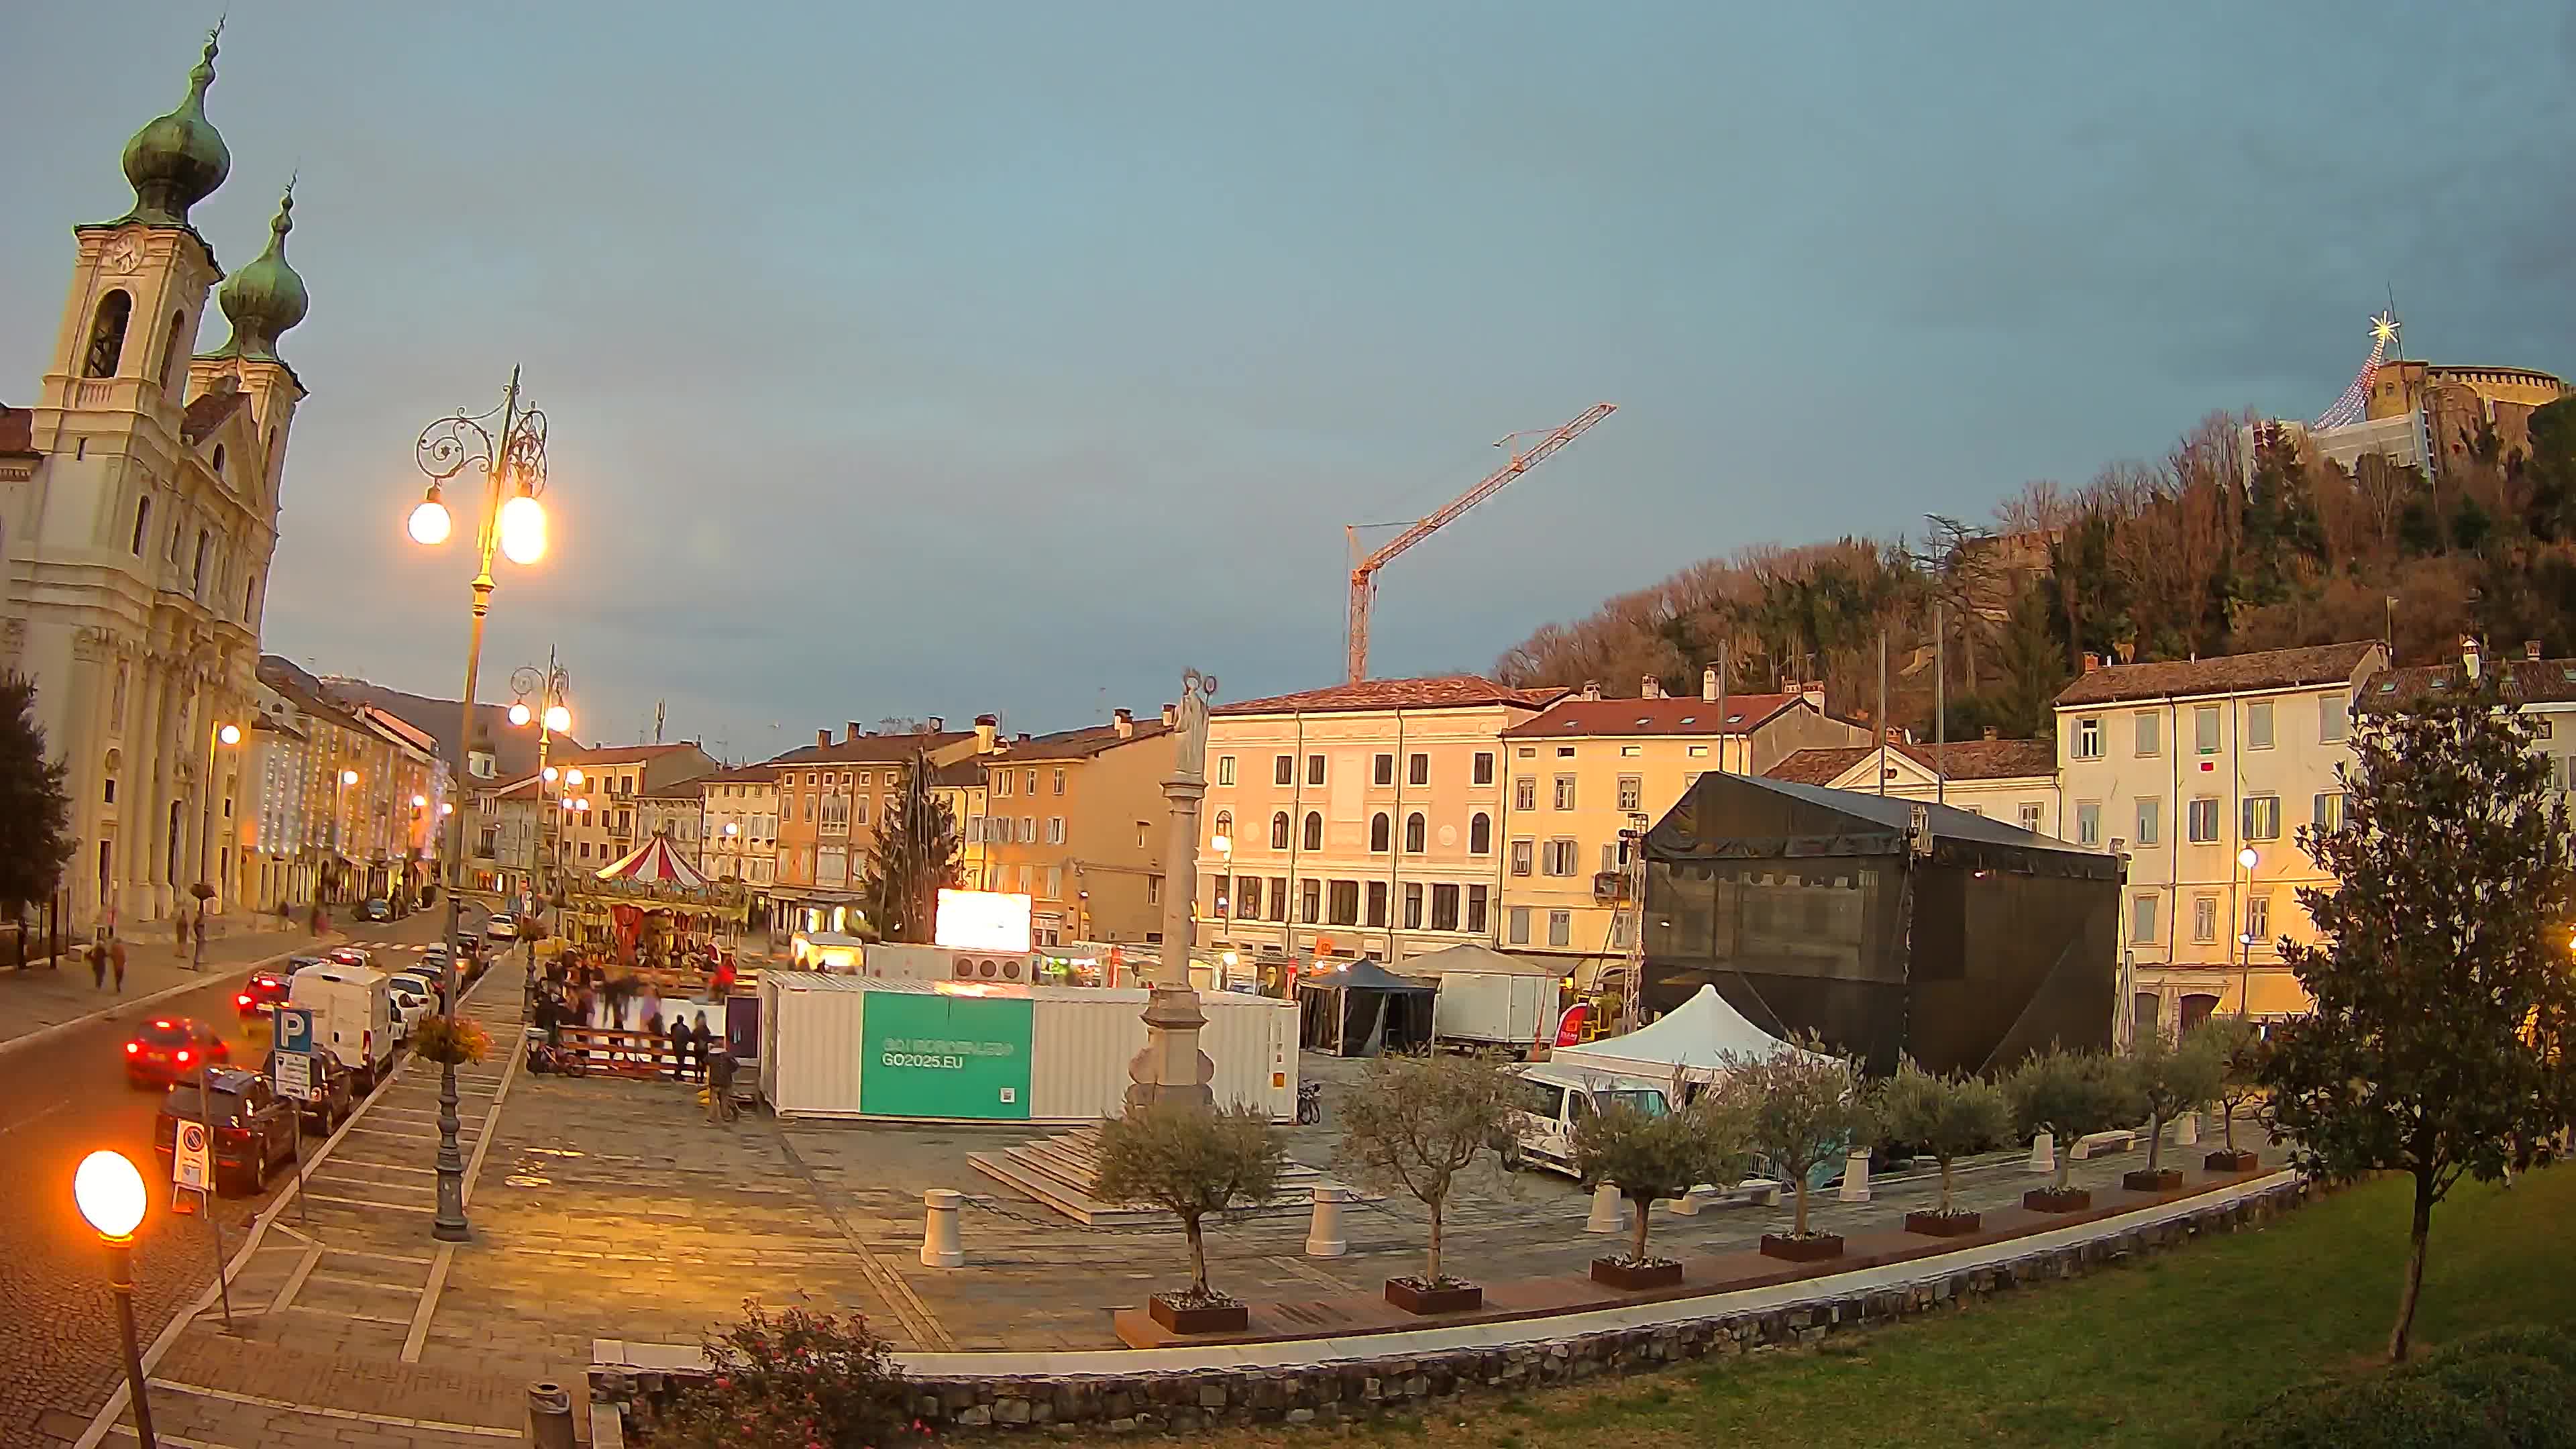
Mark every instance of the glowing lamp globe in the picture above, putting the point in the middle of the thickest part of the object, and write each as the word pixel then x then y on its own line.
pixel 429 523
pixel 573 775
pixel 1222 844
pixel 518 715
pixel 110 1194
pixel 2246 857
pixel 420 802
pixel 558 718
pixel 550 773
pixel 348 777
pixel 523 529
pixel 229 734
pixel 446 807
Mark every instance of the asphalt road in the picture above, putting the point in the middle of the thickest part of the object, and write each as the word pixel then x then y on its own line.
pixel 60 1100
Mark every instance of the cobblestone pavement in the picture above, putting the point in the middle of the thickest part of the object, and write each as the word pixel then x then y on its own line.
pixel 287 1335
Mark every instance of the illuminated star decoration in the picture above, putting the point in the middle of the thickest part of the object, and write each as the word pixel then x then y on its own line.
pixel 2356 398
pixel 2383 329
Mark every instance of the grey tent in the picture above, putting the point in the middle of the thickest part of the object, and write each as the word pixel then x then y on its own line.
pixel 1358 1009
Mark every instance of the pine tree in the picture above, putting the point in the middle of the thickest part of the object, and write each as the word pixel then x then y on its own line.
pixel 914 858
pixel 2444 1009
pixel 35 811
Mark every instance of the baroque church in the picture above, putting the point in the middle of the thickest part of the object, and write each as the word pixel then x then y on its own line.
pixel 138 515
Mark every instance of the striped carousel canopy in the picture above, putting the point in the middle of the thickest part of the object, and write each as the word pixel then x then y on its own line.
pixel 654 863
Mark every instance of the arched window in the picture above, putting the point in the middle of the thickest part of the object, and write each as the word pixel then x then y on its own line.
pixel 176 354
pixel 1379 831
pixel 1225 825
pixel 219 462
pixel 205 546
pixel 1413 830
pixel 1480 834
pixel 142 525
pixel 1314 831
pixel 1279 831
pixel 107 335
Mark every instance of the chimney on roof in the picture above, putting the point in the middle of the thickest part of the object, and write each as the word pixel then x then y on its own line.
pixel 2092 661
pixel 851 731
pixel 1993 733
pixel 2531 650
pixel 988 729
pixel 1171 715
pixel 1592 689
pixel 1708 684
pixel 1651 688
pixel 1123 721
pixel 822 737
pixel 2469 660
pixel 1022 738
pixel 935 725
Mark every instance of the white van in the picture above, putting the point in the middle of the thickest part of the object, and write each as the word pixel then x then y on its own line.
pixel 353 1017
pixel 1549 1101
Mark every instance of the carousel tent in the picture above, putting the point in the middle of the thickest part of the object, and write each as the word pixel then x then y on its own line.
pixel 654 863
pixel 1359 1010
pixel 1694 1038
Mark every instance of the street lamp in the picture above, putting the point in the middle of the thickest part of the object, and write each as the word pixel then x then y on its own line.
pixel 514 469
pixel 548 686
pixel 219 737
pixel 110 1195
pixel 2245 937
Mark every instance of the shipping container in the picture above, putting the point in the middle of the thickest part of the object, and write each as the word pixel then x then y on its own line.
pixel 849 1046
pixel 1494 1008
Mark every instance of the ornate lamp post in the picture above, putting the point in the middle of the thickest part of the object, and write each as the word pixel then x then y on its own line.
pixel 1171 1068
pixel 109 1193
pixel 216 738
pixel 552 717
pixel 2245 936
pixel 512 520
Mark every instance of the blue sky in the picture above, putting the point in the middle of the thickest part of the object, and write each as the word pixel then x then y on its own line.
pixel 936 359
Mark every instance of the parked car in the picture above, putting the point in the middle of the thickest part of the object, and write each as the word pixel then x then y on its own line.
pixel 377 908
pixel 170 1048
pixel 339 1091
pixel 254 1128
pixel 1549 1101
pixel 413 1000
pixel 263 990
pixel 501 928
pixel 353 956
pixel 299 963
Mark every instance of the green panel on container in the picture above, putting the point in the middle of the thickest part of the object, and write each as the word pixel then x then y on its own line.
pixel 945 1056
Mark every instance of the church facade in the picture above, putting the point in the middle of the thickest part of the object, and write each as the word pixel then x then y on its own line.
pixel 138 517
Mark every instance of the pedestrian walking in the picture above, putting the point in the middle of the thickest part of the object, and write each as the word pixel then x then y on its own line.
pixel 200 932
pixel 98 964
pixel 720 1085
pixel 116 959
pixel 682 1040
pixel 708 1041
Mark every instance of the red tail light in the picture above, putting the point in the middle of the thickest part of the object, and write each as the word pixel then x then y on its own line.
pixel 243 1000
pixel 183 1054
pixel 133 1048
pixel 232 1134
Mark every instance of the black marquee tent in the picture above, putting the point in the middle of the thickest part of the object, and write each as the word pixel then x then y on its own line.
pixel 1358 1009
pixel 1886 926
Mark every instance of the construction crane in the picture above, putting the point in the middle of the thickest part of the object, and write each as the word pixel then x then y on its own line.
pixel 1364 569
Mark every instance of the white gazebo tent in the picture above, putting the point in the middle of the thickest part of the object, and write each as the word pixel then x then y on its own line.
pixel 1694 1038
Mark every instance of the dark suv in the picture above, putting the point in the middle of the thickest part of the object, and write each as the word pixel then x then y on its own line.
pixel 254 1128
pixel 339 1091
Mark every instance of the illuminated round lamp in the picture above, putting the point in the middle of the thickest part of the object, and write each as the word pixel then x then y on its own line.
pixel 110 1194
pixel 523 529
pixel 348 777
pixel 558 718
pixel 229 734
pixel 420 802
pixel 446 807
pixel 573 775
pixel 1221 844
pixel 2247 857
pixel 519 717
pixel 429 523
pixel 551 772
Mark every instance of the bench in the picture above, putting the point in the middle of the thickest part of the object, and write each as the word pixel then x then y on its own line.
pixel 2117 1140
pixel 1759 1191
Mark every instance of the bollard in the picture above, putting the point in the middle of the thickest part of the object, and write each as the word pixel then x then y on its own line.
pixel 549 1416
pixel 1324 1234
pixel 1856 1176
pixel 1605 1210
pixel 1688 1204
pixel 2043 1153
pixel 939 1248
pixel 2187 1130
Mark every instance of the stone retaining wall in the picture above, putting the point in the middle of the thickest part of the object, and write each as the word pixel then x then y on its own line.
pixel 1404 1383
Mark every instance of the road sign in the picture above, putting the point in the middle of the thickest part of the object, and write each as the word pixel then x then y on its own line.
pixel 295 1080
pixel 294 1029
pixel 188 1166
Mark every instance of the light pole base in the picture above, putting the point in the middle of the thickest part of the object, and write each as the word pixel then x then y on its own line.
pixel 451 1232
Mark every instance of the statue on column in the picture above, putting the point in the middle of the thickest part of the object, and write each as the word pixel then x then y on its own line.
pixel 1171 1068
pixel 1190 731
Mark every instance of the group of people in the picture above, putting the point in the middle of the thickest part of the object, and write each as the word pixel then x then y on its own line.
pixel 577 992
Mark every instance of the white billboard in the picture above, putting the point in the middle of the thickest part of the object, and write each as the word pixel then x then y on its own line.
pixel 983 920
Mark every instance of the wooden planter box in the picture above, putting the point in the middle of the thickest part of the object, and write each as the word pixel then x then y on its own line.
pixel 1633 1277
pixel 1407 1294
pixel 2163 1179
pixel 2225 1161
pixel 2050 1200
pixel 1813 1248
pixel 1198 1318
pixel 1943 1225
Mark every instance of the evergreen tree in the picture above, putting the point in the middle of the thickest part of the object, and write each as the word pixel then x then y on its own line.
pixel 2444 1009
pixel 915 856
pixel 35 812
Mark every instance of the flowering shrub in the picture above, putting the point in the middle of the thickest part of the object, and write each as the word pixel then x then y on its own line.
pixel 798 1381
pixel 451 1040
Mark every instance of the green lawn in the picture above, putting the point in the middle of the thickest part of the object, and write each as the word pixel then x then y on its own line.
pixel 2165 1352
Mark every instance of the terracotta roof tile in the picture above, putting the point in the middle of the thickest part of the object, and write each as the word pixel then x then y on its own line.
pixel 1966 760
pixel 1671 716
pixel 208 411
pixel 1079 744
pixel 1439 691
pixel 963 775
pixel 2226 674
pixel 2539 681
pixel 17 430
pixel 760 774
pixel 614 754
pixel 870 749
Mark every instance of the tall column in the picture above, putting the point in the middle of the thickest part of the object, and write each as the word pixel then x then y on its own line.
pixel 1171 1068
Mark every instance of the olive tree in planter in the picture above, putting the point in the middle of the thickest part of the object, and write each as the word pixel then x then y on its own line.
pixel 2069 1095
pixel 1650 1156
pixel 1191 1162
pixel 1801 1108
pixel 2241 1050
pixel 1947 1118
pixel 2169 1080
pixel 1413 1125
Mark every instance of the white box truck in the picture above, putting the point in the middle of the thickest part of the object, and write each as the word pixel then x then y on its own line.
pixel 1494 1008
pixel 353 1017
